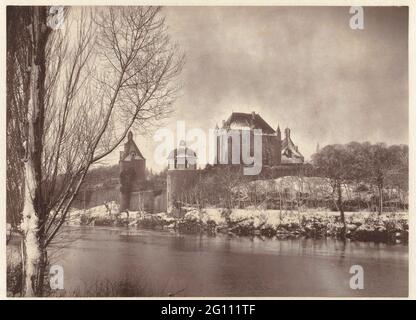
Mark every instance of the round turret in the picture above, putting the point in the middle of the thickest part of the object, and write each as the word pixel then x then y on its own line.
pixel 182 158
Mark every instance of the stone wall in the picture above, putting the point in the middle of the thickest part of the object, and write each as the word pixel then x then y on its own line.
pixel 150 201
pixel 178 182
pixel 89 198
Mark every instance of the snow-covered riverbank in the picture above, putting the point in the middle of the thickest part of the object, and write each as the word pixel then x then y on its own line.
pixel 364 226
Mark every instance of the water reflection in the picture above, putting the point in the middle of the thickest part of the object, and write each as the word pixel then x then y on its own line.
pixel 198 265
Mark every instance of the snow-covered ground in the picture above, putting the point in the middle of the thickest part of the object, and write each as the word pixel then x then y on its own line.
pixel 220 215
pixel 248 221
pixel 277 218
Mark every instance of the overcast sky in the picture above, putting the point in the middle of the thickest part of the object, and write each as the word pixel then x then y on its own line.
pixel 300 67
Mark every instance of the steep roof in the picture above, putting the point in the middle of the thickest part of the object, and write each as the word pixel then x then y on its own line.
pixel 287 144
pixel 251 120
pixel 130 148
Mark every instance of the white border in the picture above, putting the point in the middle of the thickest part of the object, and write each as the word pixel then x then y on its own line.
pixel 412 121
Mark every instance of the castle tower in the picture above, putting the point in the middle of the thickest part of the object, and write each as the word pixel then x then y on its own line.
pixel 132 167
pixel 181 176
pixel 287 133
pixel 182 158
pixel 290 152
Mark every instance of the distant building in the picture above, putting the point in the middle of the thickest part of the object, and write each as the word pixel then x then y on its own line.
pixel 275 151
pixel 182 175
pixel 182 158
pixel 132 165
pixel 280 157
pixel 290 151
pixel 132 172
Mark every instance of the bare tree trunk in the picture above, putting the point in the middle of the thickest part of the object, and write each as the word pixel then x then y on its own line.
pixel 41 270
pixel 33 210
pixel 341 211
pixel 30 241
pixel 380 195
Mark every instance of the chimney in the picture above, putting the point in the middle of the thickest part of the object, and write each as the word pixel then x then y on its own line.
pixel 253 119
pixel 287 133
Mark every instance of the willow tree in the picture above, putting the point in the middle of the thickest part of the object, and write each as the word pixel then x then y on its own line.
pixel 109 70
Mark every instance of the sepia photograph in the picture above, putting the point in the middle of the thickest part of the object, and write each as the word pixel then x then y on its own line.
pixel 207 151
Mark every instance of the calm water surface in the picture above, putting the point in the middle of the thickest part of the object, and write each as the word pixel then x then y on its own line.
pixel 199 265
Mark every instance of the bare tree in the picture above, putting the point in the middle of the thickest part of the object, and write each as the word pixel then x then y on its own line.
pixel 337 164
pixel 383 161
pixel 33 213
pixel 114 73
pixel 18 80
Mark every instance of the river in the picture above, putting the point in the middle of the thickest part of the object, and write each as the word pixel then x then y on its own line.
pixel 200 265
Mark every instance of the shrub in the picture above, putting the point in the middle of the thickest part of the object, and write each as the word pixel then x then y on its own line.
pixel 14 279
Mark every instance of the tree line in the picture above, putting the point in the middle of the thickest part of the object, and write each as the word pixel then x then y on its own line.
pixel 376 165
pixel 334 172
